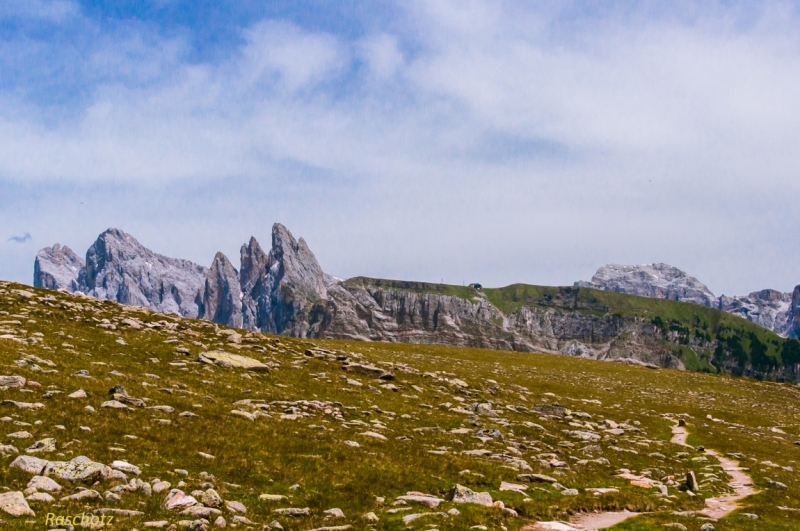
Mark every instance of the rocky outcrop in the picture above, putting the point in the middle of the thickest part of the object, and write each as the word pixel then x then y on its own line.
pixel 222 298
pixel 769 308
pixel 372 310
pixel 119 268
pixel 283 291
pixel 659 281
pixel 57 267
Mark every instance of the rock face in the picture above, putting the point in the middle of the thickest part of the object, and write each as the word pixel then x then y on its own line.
pixel 119 268
pixel 769 308
pixel 659 281
pixel 222 299
pixel 375 310
pixel 57 267
pixel 283 291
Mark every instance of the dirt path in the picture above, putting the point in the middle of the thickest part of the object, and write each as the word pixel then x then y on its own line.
pixel 716 508
pixel 583 522
pixel 740 482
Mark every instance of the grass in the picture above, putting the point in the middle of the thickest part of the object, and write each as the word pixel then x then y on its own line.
pixel 712 340
pixel 296 457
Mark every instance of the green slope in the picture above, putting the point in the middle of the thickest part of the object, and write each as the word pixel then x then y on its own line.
pixel 294 448
pixel 746 343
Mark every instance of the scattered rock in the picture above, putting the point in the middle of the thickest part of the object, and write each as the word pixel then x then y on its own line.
pixel 43 483
pixel 461 494
pixel 14 503
pixel 224 359
pixel 177 499
pixel 291 511
pixel 83 495
pixel 45 445
pixel 31 465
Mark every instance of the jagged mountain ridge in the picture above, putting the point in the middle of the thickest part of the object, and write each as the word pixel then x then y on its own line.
pixel 769 308
pixel 286 292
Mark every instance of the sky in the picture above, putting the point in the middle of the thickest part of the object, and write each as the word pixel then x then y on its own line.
pixel 458 141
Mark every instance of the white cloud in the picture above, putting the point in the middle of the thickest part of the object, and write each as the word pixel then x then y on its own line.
pixel 298 58
pixel 489 139
pixel 382 55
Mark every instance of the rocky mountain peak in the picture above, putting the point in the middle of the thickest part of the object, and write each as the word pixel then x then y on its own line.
pixel 222 298
pixel 300 266
pixel 120 268
pixel 280 289
pixel 661 281
pixel 57 267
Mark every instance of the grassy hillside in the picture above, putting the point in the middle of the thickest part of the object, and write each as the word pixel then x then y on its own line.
pixel 291 438
pixel 705 339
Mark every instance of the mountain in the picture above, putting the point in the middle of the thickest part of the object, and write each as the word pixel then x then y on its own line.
pixel 768 308
pixel 285 291
pixel 660 281
pixel 57 267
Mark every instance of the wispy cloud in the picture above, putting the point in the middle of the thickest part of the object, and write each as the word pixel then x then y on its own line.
pixel 20 239
pixel 571 134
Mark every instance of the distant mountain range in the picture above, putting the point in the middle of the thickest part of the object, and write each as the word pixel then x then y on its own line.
pixel 285 291
pixel 775 310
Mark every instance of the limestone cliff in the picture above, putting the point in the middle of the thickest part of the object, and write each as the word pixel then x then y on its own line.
pixel 119 268
pixel 222 297
pixel 282 290
pixel 660 281
pixel 769 308
pixel 57 267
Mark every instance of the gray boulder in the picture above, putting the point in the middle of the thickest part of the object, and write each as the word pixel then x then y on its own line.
pixel 57 267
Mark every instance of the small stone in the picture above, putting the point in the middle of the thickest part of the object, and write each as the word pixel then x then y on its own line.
pixel 373 435
pixel 236 507
pixel 114 404
pixel 83 495
pixel 352 444
pixel 126 467
pixel 461 494
pixel 335 513
pixel 691 481
pixel 371 517
pixel 14 503
pixel 177 499
pixel 41 497
pixel 44 483
pixel 7 449
pixel 272 497
pixel 45 445
pixel 211 498
pixel 80 393
pixel 12 381
pixel 220 522
pixel 291 511
pixel 707 527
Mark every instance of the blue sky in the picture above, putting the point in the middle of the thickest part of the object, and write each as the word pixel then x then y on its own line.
pixel 472 140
